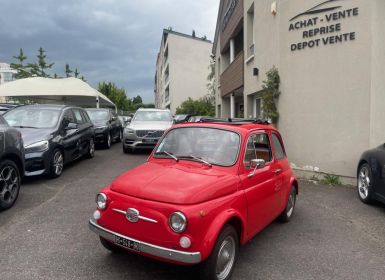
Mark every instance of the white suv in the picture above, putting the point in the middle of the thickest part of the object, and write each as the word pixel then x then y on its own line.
pixel 145 129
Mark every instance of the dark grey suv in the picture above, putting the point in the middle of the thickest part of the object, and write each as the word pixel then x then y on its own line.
pixel 11 164
pixel 53 136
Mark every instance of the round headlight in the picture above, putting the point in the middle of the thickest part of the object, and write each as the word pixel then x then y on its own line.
pixel 178 222
pixel 101 201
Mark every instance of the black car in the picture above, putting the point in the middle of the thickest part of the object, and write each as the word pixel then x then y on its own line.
pixel 181 118
pixel 53 136
pixel 108 127
pixel 11 164
pixel 371 175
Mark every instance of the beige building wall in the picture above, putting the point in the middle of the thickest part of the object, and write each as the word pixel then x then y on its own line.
pixel 332 96
pixel 188 63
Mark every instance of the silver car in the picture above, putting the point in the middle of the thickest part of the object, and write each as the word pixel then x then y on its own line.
pixel 145 129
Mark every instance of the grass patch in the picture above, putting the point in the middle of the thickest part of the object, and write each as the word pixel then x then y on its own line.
pixel 332 180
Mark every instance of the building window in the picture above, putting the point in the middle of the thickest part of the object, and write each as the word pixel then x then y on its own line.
pixel 250 31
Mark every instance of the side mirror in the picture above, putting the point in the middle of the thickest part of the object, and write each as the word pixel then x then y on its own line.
pixel 113 119
pixel 71 126
pixel 256 163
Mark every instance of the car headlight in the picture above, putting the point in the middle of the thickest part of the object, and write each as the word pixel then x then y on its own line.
pixel 101 201
pixel 178 222
pixel 40 146
pixel 128 130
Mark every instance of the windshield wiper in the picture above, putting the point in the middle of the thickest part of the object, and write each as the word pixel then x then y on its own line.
pixel 168 154
pixel 198 159
pixel 24 126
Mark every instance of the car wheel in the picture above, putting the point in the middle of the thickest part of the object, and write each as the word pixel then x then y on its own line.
pixel 364 183
pixel 120 136
pixel 126 150
pixel 9 184
pixel 108 141
pixel 91 149
pixel 220 264
pixel 290 205
pixel 57 163
pixel 110 246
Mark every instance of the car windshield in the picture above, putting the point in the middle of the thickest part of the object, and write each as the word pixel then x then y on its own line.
pixel 32 117
pixel 214 146
pixel 162 116
pixel 98 115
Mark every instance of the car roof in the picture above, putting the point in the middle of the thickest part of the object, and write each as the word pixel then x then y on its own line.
pixel 49 106
pixel 97 109
pixel 153 109
pixel 236 125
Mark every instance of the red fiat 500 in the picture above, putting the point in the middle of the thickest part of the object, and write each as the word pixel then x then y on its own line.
pixel 206 189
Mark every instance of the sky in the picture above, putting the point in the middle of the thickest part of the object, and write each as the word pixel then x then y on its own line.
pixel 106 40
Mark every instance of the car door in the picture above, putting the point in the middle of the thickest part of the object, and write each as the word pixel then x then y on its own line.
pixel 114 124
pixel 258 183
pixel 83 128
pixel 70 135
pixel 281 169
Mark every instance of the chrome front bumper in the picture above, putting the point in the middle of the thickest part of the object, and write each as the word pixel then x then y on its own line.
pixel 154 250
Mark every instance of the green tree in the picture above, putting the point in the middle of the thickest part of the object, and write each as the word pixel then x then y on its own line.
pixel 137 100
pixel 116 95
pixel 68 71
pixel 42 65
pixel 270 94
pixel 200 107
pixel 210 97
pixel 76 73
pixel 22 70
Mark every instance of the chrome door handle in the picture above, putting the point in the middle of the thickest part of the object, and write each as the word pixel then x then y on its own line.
pixel 277 171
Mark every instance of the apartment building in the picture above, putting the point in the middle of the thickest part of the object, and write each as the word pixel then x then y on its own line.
pixel 6 73
pixel 181 69
pixel 330 57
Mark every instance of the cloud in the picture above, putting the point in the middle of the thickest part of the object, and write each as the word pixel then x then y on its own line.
pixel 106 40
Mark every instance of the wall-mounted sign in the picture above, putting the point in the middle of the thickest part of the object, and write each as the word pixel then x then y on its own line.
pixel 229 11
pixel 322 30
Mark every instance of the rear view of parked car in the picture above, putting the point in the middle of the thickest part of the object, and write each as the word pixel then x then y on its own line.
pixel 53 135
pixel 11 164
pixel 108 127
pixel 145 129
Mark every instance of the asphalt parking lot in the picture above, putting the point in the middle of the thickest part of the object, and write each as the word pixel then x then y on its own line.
pixel 45 235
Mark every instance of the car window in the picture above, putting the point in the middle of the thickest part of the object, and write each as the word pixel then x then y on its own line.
pixel 35 116
pixel 278 149
pixel 163 116
pixel 98 115
pixel 257 147
pixel 85 116
pixel 216 146
pixel 78 116
pixel 68 117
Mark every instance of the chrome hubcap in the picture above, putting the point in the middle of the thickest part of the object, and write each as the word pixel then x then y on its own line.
pixel 290 204
pixel 9 184
pixel 58 163
pixel 363 182
pixel 226 256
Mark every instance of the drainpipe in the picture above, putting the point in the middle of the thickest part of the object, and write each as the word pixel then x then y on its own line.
pixel 232 105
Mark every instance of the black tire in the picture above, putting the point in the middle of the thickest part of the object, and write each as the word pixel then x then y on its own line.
pixel 110 246
pixel 56 164
pixel 120 136
pixel 108 141
pixel 364 183
pixel 227 239
pixel 9 184
pixel 287 213
pixel 91 149
pixel 126 150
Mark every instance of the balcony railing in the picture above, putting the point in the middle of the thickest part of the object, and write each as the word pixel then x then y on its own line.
pixel 232 78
